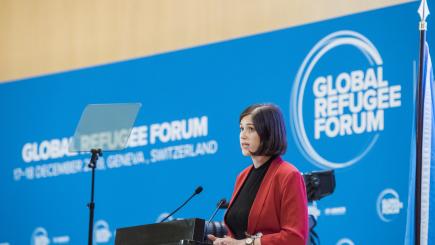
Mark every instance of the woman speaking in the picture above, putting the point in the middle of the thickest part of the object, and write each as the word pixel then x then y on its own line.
pixel 269 204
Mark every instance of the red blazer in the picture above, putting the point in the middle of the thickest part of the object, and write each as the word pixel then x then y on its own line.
pixel 279 210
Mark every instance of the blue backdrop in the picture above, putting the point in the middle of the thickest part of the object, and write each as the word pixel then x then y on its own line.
pixel 346 89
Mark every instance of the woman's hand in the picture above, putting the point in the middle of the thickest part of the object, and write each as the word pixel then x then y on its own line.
pixel 226 240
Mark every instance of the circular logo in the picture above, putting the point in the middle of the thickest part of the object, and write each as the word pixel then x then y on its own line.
pixel 345 85
pixel 102 232
pixel 162 216
pixel 40 237
pixel 388 205
pixel 345 241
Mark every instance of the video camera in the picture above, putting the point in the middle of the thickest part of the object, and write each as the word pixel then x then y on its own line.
pixel 319 184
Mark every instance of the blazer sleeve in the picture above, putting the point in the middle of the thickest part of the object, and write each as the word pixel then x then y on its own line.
pixel 293 213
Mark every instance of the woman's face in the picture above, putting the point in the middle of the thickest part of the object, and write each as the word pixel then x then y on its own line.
pixel 249 139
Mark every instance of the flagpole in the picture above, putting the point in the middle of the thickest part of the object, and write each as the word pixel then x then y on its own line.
pixel 418 173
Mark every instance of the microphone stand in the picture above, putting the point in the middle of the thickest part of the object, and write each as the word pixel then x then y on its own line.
pixel 91 205
pixel 220 203
pixel 197 191
pixel 214 229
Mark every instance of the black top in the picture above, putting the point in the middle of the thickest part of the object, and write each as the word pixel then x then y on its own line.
pixel 237 216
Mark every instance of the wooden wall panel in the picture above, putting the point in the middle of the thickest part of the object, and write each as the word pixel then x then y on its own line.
pixel 45 36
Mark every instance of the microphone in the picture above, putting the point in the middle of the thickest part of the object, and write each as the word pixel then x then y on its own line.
pixel 197 191
pixel 225 205
pixel 219 205
pixel 215 228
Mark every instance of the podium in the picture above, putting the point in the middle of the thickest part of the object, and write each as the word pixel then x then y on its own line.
pixel 178 232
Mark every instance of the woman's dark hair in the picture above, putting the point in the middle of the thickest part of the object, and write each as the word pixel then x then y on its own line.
pixel 269 124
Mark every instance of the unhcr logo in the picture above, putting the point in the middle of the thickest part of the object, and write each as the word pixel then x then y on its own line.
pixel 339 98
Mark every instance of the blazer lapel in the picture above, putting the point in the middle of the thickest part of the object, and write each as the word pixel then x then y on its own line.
pixel 257 206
